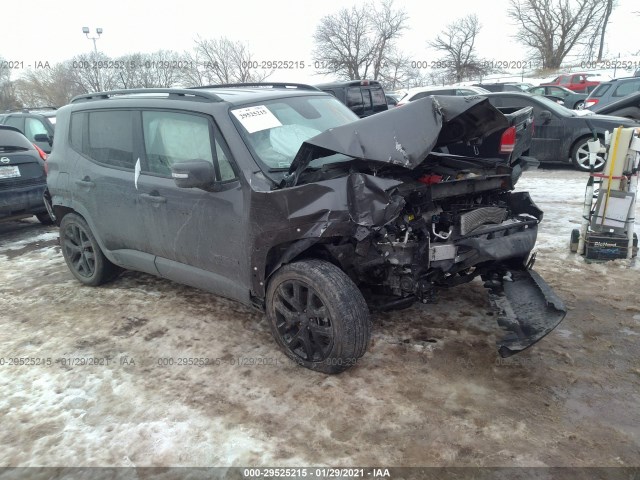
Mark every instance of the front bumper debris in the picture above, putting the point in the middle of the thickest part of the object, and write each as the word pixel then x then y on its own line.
pixel 527 309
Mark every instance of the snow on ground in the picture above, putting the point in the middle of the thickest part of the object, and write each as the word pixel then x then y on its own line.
pixel 431 389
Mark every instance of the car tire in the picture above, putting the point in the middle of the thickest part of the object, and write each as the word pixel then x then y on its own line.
pixel 337 335
pixel 579 105
pixel 44 218
pixel 82 252
pixel 580 156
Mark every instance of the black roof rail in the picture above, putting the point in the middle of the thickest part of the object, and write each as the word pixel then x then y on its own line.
pixel 300 86
pixel 172 92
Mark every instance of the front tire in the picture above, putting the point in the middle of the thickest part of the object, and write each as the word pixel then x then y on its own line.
pixel 318 316
pixel 580 156
pixel 82 252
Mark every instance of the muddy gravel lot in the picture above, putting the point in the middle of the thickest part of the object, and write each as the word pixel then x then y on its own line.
pixel 145 372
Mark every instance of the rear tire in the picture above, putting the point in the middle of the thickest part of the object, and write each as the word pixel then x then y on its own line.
pixel 82 252
pixel 318 316
pixel 579 105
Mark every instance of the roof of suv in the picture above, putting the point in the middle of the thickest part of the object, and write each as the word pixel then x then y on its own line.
pixel 236 94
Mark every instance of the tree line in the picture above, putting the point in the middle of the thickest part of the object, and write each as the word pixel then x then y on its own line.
pixel 351 44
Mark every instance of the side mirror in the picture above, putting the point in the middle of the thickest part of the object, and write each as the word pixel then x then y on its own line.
pixel 582 80
pixel 43 137
pixel 545 116
pixel 194 174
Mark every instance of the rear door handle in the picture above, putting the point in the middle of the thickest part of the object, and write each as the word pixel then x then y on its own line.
pixel 153 198
pixel 85 183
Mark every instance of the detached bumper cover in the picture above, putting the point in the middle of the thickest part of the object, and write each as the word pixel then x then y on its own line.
pixel 527 308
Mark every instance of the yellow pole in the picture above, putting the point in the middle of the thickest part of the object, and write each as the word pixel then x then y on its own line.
pixel 611 168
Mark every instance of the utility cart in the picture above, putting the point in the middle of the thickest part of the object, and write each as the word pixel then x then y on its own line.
pixel 608 219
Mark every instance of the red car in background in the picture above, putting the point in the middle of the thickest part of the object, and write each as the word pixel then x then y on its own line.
pixel 578 82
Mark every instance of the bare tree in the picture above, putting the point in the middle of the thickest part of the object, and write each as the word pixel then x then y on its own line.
pixel 457 41
pixel 397 72
pixel 355 43
pixel 53 86
pixel 164 68
pixel 221 60
pixel 553 28
pixel 7 96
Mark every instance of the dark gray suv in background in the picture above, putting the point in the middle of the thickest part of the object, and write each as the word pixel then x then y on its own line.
pixel 279 197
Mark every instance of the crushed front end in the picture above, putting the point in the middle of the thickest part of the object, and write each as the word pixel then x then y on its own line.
pixel 420 218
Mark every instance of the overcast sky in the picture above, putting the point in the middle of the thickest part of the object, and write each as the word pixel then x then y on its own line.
pixel 42 31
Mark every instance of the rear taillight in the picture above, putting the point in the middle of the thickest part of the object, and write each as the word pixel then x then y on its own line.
pixel 591 102
pixel 43 155
pixel 508 140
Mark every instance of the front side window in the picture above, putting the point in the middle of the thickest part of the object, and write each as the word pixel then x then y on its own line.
pixel 33 127
pixel 110 138
pixel 275 129
pixel 172 137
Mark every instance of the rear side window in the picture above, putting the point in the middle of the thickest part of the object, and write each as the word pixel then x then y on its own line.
pixel 76 129
pixel 379 100
pixel 171 137
pixel 110 138
pixel 600 90
pixel 627 88
pixel 355 101
pixel 15 122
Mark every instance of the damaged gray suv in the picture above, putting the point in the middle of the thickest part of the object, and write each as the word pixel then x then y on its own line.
pixel 279 197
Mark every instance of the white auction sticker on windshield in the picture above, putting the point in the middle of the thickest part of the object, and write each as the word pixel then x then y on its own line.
pixel 256 118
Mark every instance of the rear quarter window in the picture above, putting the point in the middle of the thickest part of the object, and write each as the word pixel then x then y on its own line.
pixel 600 90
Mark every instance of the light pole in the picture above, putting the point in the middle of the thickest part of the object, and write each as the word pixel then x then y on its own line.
pixel 86 31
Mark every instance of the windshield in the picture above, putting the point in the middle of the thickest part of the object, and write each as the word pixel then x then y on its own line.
pixel 275 129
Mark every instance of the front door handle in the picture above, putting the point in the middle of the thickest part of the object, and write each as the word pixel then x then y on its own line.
pixel 85 182
pixel 153 198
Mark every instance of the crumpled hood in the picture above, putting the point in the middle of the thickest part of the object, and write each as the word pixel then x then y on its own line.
pixel 405 135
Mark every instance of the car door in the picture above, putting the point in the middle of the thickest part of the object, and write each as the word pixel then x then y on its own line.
pixel 104 181
pixel 197 236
